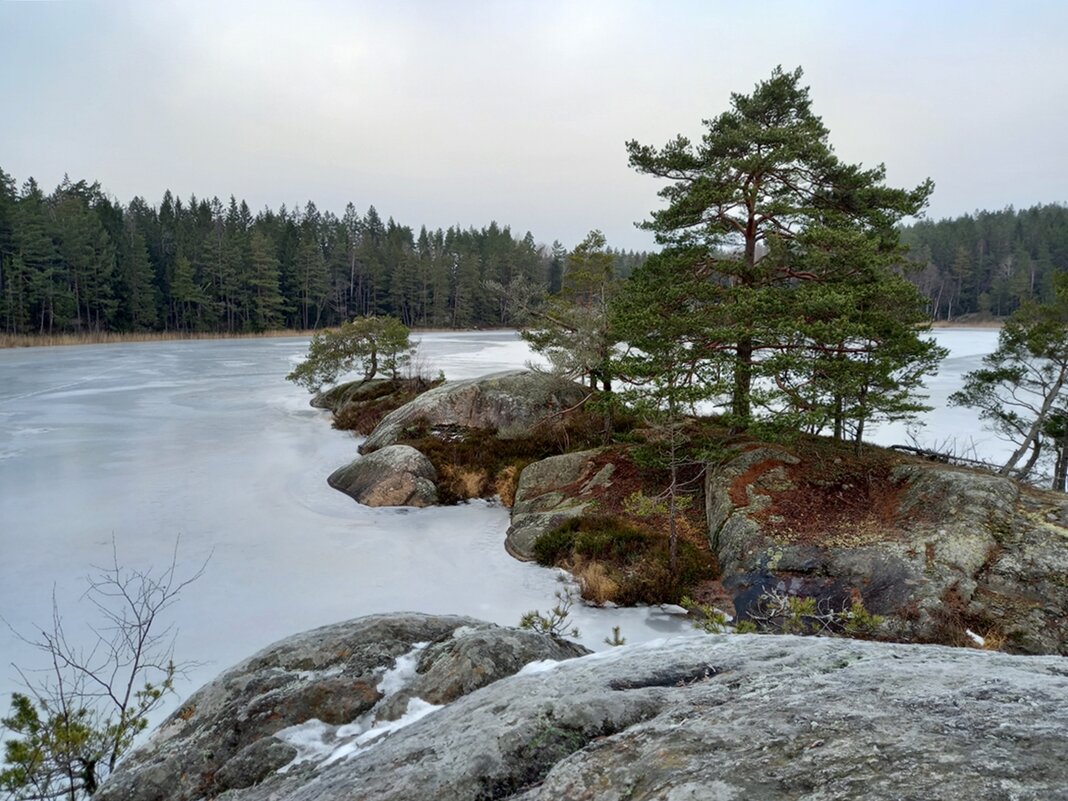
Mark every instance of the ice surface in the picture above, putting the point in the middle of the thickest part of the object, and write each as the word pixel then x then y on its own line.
pixel 206 439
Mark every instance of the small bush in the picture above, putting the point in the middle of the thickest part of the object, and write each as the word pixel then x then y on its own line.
pixel 616 561
pixel 553 546
pixel 794 614
pixel 706 617
pixel 609 538
pixel 594 538
pixel 554 622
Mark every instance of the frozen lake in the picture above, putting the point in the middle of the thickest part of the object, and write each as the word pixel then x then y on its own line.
pixel 141 443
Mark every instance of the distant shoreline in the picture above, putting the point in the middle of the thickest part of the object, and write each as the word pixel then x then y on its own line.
pixel 988 324
pixel 8 341
pixel 115 338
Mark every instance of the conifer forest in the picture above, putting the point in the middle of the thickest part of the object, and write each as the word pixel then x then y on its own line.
pixel 76 260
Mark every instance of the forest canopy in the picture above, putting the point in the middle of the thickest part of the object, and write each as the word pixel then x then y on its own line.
pixel 76 260
pixel 988 262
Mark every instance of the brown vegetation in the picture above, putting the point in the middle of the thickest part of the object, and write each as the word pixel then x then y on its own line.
pixel 832 496
pixel 476 463
pixel 955 620
pixel 116 338
pixel 363 414
pixel 622 556
pixel 619 561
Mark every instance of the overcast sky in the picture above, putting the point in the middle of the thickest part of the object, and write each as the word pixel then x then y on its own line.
pixel 462 112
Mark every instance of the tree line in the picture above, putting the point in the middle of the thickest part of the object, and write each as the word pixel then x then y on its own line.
pixel 990 262
pixel 77 260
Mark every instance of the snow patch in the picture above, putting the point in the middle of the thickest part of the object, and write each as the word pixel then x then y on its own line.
pixel 538 666
pixel 417 709
pixel 310 738
pixel 324 744
pixel 673 609
pixel 403 671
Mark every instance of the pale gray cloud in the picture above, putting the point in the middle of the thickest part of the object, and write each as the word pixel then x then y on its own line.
pixel 463 112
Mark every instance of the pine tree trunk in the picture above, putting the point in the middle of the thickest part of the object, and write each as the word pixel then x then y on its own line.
pixel 372 368
pixel 1060 476
pixel 673 530
pixel 608 421
pixel 743 380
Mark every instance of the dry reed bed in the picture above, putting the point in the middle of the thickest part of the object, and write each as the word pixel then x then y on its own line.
pixel 111 337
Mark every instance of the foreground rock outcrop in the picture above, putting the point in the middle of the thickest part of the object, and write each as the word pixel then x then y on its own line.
pixel 699 717
pixel 509 403
pixel 362 675
pixel 937 550
pixel 396 475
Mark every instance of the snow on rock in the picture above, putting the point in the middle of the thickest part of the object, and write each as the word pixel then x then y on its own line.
pixel 403 671
pixel 318 742
pixel 321 697
pixel 699 716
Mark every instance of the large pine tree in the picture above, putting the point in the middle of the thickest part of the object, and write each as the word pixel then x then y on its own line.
pixel 759 208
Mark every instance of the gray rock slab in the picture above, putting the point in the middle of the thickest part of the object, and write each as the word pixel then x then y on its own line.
pixel 510 403
pixel 222 737
pixel 549 493
pixel 968 550
pixel 727 717
pixel 336 397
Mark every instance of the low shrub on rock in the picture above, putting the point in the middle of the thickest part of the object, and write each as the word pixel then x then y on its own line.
pixel 619 562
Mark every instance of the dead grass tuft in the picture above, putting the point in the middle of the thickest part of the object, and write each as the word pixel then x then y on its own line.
pixel 506 483
pixel 994 640
pixel 594 579
pixel 463 483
